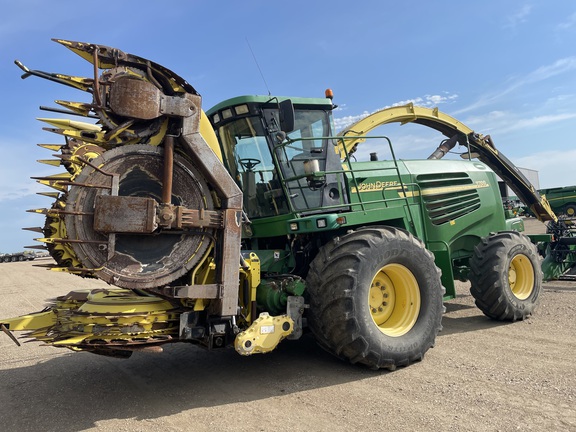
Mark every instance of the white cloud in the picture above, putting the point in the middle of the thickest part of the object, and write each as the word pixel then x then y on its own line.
pixel 424 101
pixel 519 17
pixel 555 101
pixel 500 122
pixel 438 99
pixel 543 73
pixel 427 100
pixel 485 120
pixel 341 122
pixel 569 23
pixel 560 66
pixel 538 121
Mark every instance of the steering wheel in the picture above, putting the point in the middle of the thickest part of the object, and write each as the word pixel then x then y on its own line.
pixel 249 163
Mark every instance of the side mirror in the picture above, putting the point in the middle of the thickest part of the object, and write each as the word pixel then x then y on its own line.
pixel 286 115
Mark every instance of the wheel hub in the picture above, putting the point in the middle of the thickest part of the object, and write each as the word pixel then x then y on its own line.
pixel 394 300
pixel 521 277
pixel 382 297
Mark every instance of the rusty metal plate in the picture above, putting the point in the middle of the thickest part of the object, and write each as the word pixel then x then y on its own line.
pixel 208 291
pixel 125 214
pixel 135 98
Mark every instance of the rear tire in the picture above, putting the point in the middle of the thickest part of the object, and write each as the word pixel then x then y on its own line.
pixel 375 298
pixel 505 276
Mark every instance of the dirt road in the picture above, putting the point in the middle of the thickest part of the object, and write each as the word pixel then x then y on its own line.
pixel 481 376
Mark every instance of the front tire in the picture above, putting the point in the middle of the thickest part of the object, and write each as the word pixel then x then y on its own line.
pixel 375 298
pixel 505 276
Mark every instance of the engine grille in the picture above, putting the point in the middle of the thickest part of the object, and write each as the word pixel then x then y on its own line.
pixel 448 196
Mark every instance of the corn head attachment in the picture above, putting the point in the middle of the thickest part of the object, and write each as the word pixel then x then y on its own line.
pixel 111 322
pixel 144 203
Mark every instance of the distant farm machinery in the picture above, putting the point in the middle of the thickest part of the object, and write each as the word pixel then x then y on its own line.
pixel 17 256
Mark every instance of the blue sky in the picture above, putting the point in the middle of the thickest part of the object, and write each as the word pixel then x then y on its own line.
pixel 507 69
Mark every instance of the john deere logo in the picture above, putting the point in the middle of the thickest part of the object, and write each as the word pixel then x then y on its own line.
pixel 375 186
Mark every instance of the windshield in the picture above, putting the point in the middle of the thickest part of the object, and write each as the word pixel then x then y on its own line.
pixel 250 162
pixel 248 143
pixel 309 127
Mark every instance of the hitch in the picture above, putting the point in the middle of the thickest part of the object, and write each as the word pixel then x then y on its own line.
pixel 264 334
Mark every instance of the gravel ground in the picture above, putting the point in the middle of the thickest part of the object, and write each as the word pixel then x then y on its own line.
pixel 481 376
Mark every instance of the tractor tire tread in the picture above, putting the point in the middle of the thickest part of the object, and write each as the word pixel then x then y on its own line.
pixel 332 283
pixel 488 276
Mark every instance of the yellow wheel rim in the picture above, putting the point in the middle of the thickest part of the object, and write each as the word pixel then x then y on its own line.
pixel 394 300
pixel 570 211
pixel 521 277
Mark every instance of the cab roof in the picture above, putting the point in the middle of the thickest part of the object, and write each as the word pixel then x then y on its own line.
pixel 255 99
